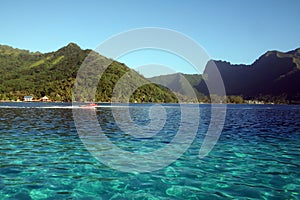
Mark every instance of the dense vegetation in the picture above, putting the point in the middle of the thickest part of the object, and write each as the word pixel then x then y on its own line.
pixel 274 77
pixel 53 74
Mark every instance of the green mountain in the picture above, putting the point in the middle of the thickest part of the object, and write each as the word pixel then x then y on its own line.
pixel 275 76
pixel 53 74
pixel 184 84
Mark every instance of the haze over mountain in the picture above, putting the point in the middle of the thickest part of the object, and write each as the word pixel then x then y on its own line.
pixel 275 76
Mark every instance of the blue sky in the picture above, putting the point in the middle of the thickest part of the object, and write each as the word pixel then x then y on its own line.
pixel 232 30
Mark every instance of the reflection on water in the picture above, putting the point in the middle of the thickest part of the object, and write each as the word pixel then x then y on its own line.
pixel 257 156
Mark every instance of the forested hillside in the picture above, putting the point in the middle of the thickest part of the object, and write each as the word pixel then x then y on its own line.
pixel 53 74
pixel 274 77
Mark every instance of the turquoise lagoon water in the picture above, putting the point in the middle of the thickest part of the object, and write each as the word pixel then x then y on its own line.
pixel 256 157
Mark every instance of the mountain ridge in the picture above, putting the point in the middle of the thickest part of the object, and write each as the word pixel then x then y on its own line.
pixel 53 74
pixel 274 76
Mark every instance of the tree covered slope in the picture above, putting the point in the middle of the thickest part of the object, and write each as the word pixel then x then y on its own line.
pixel 53 74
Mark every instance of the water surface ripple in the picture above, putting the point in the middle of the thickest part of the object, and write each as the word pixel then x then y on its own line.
pixel 256 157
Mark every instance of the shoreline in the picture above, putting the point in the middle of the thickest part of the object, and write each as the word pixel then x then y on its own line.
pixel 199 103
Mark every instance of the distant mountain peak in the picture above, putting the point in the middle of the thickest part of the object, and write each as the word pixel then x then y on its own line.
pixel 8 50
pixel 295 52
pixel 71 47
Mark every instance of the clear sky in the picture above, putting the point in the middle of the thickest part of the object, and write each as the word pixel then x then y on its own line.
pixel 232 30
